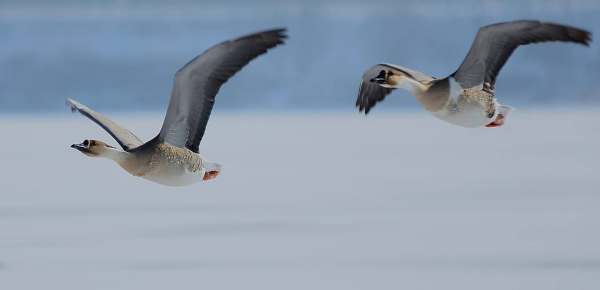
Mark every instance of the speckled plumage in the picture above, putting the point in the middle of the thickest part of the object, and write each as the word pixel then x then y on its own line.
pixel 175 157
pixel 471 107
pixel 475 95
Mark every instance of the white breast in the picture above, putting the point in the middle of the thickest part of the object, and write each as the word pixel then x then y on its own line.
pixel 470 115
pixel 174 175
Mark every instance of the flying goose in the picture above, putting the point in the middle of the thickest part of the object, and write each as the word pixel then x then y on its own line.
pixel 172 157
pixel 466 97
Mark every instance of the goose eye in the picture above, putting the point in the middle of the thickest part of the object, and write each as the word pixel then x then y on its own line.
pixel 86 143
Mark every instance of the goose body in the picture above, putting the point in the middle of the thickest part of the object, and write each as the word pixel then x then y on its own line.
pixel 169 165
pixel 172 158
pixel 467 97
pixel 469 108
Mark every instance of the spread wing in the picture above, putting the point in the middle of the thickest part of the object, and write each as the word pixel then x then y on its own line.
pixel 124 137
pixel 370 93
pixel 198 82
pixel 494 44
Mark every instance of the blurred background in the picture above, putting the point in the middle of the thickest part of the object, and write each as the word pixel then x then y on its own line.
pixel 121 55
pixel 313 195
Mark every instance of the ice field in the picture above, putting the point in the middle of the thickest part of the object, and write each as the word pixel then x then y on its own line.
pixel 395 200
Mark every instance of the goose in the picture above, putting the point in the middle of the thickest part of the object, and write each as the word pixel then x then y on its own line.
pixel 466 97
pixel 172 158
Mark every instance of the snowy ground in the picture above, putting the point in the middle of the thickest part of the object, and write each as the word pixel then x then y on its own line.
pixel 330 201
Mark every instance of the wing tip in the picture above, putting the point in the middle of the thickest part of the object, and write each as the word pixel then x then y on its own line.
pixel 270 38
pixel 280 34
pixel 570 33
pixel 574 34
pixel 579 35
pixel 362 109
pixel 276 35
pixel 72 104
pixel 586 38
pixel 361 106
pixel 75 106
pixel 366 110
pixel 362 101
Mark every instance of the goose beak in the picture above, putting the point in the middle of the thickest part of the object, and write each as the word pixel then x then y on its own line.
pixel 80 147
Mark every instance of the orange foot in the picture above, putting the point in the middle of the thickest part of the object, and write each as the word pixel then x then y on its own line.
pixel 210 175
pixel 497 123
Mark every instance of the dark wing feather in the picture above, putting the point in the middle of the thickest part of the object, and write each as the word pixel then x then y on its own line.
pixel 197 83
pixel 494 44
pixel 370 93
pixel 124 137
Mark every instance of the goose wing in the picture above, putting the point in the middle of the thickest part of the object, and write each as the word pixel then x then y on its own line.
pixel 198 82
pixel 494 44
pixel 124 137
pixel 370 93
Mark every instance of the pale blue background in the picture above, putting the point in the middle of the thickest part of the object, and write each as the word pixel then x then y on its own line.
pixel 121 55
pixel 312 195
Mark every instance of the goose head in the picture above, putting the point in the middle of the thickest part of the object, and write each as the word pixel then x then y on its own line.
pixel 93 148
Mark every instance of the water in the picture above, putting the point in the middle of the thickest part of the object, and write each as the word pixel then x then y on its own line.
pixel 309 201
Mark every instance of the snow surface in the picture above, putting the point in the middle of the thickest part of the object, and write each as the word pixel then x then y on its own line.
pixel 310 201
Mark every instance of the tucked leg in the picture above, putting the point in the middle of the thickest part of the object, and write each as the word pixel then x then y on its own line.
pixel 499 121
pixel 208 175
